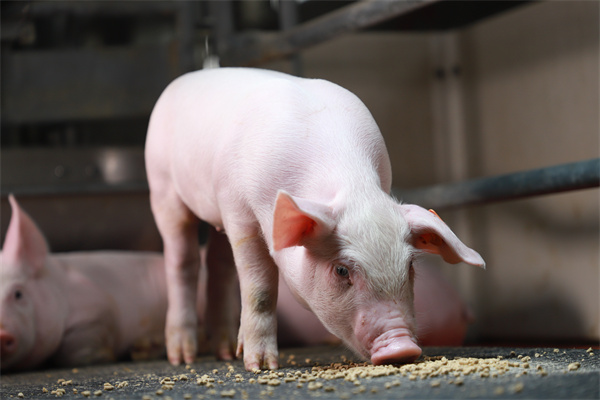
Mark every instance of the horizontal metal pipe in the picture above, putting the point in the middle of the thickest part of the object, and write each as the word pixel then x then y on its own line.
pixel 555 179
pixel 256 48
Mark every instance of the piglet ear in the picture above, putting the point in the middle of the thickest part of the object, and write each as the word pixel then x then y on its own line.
pixel 24 243
pixel 430 234
pixel 297 221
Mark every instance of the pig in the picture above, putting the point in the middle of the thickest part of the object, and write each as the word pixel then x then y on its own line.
pixel 295 175
pixel 75 308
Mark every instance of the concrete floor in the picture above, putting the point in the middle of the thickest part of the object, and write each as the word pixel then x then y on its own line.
pixel 144 378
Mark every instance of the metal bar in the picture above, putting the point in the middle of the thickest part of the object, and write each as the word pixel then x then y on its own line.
pixel 184 28
pixel 223 25
pixel 256 48
pixel 288 19
pixel 555 179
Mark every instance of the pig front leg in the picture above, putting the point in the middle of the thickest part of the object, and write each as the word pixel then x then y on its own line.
pixel 258 275
pixel 178 227
pixel 222 307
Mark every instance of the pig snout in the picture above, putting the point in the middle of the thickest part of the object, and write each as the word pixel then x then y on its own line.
pixel 386 336
pixel 396 346
pixel 8 343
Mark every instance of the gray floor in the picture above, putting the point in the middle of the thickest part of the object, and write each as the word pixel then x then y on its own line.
pixel 144 379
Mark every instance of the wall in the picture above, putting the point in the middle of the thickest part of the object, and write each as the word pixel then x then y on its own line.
pixel 532 88
pixel 524 96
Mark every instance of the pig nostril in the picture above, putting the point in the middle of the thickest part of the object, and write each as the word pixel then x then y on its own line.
pixel 8 344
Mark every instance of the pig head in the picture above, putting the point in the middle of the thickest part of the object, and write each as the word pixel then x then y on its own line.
pixel 33 310
pixel 342 265
pixel 296 173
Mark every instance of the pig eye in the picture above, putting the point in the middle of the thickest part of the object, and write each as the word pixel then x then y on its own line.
pixel 18 294
pixel 342 271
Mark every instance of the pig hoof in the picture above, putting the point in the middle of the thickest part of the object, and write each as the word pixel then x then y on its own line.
pixel 176 359
pixel 225 348
pixel 255 366
pixel 225 354
pixel 258 362
pixel 273 364
pixel 189 358
pixel 181 348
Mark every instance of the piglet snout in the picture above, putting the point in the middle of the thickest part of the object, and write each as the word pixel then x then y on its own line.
pixel 8 343
pixel 397 350
pixel 386 334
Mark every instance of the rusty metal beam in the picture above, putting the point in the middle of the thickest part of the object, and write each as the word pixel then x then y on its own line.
pixel 256 48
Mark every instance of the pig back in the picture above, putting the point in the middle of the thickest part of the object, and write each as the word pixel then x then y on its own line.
pixel 236 136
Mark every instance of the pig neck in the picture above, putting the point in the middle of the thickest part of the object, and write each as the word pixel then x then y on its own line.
pixel 78 292
pixel 52 310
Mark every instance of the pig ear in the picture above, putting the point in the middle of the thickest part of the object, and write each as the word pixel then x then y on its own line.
pixel 24 243
pixel 430 234
pixel 297 220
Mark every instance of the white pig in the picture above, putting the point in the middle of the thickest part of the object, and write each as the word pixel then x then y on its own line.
pixel 78 308
pixel 296 172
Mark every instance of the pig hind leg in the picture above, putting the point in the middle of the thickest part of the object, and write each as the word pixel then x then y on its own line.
pixel 223 302
pixel 178 227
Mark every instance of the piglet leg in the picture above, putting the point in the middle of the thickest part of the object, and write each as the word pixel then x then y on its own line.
pixel 258 276
pixel 178 228
pixel 222 308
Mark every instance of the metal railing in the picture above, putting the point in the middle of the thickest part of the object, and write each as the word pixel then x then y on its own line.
pixel 555 179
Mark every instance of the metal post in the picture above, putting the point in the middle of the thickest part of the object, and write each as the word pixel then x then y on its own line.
pixel 288 18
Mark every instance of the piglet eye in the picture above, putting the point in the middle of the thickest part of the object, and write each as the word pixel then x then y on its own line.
pixel 18 295
pixel 342 271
